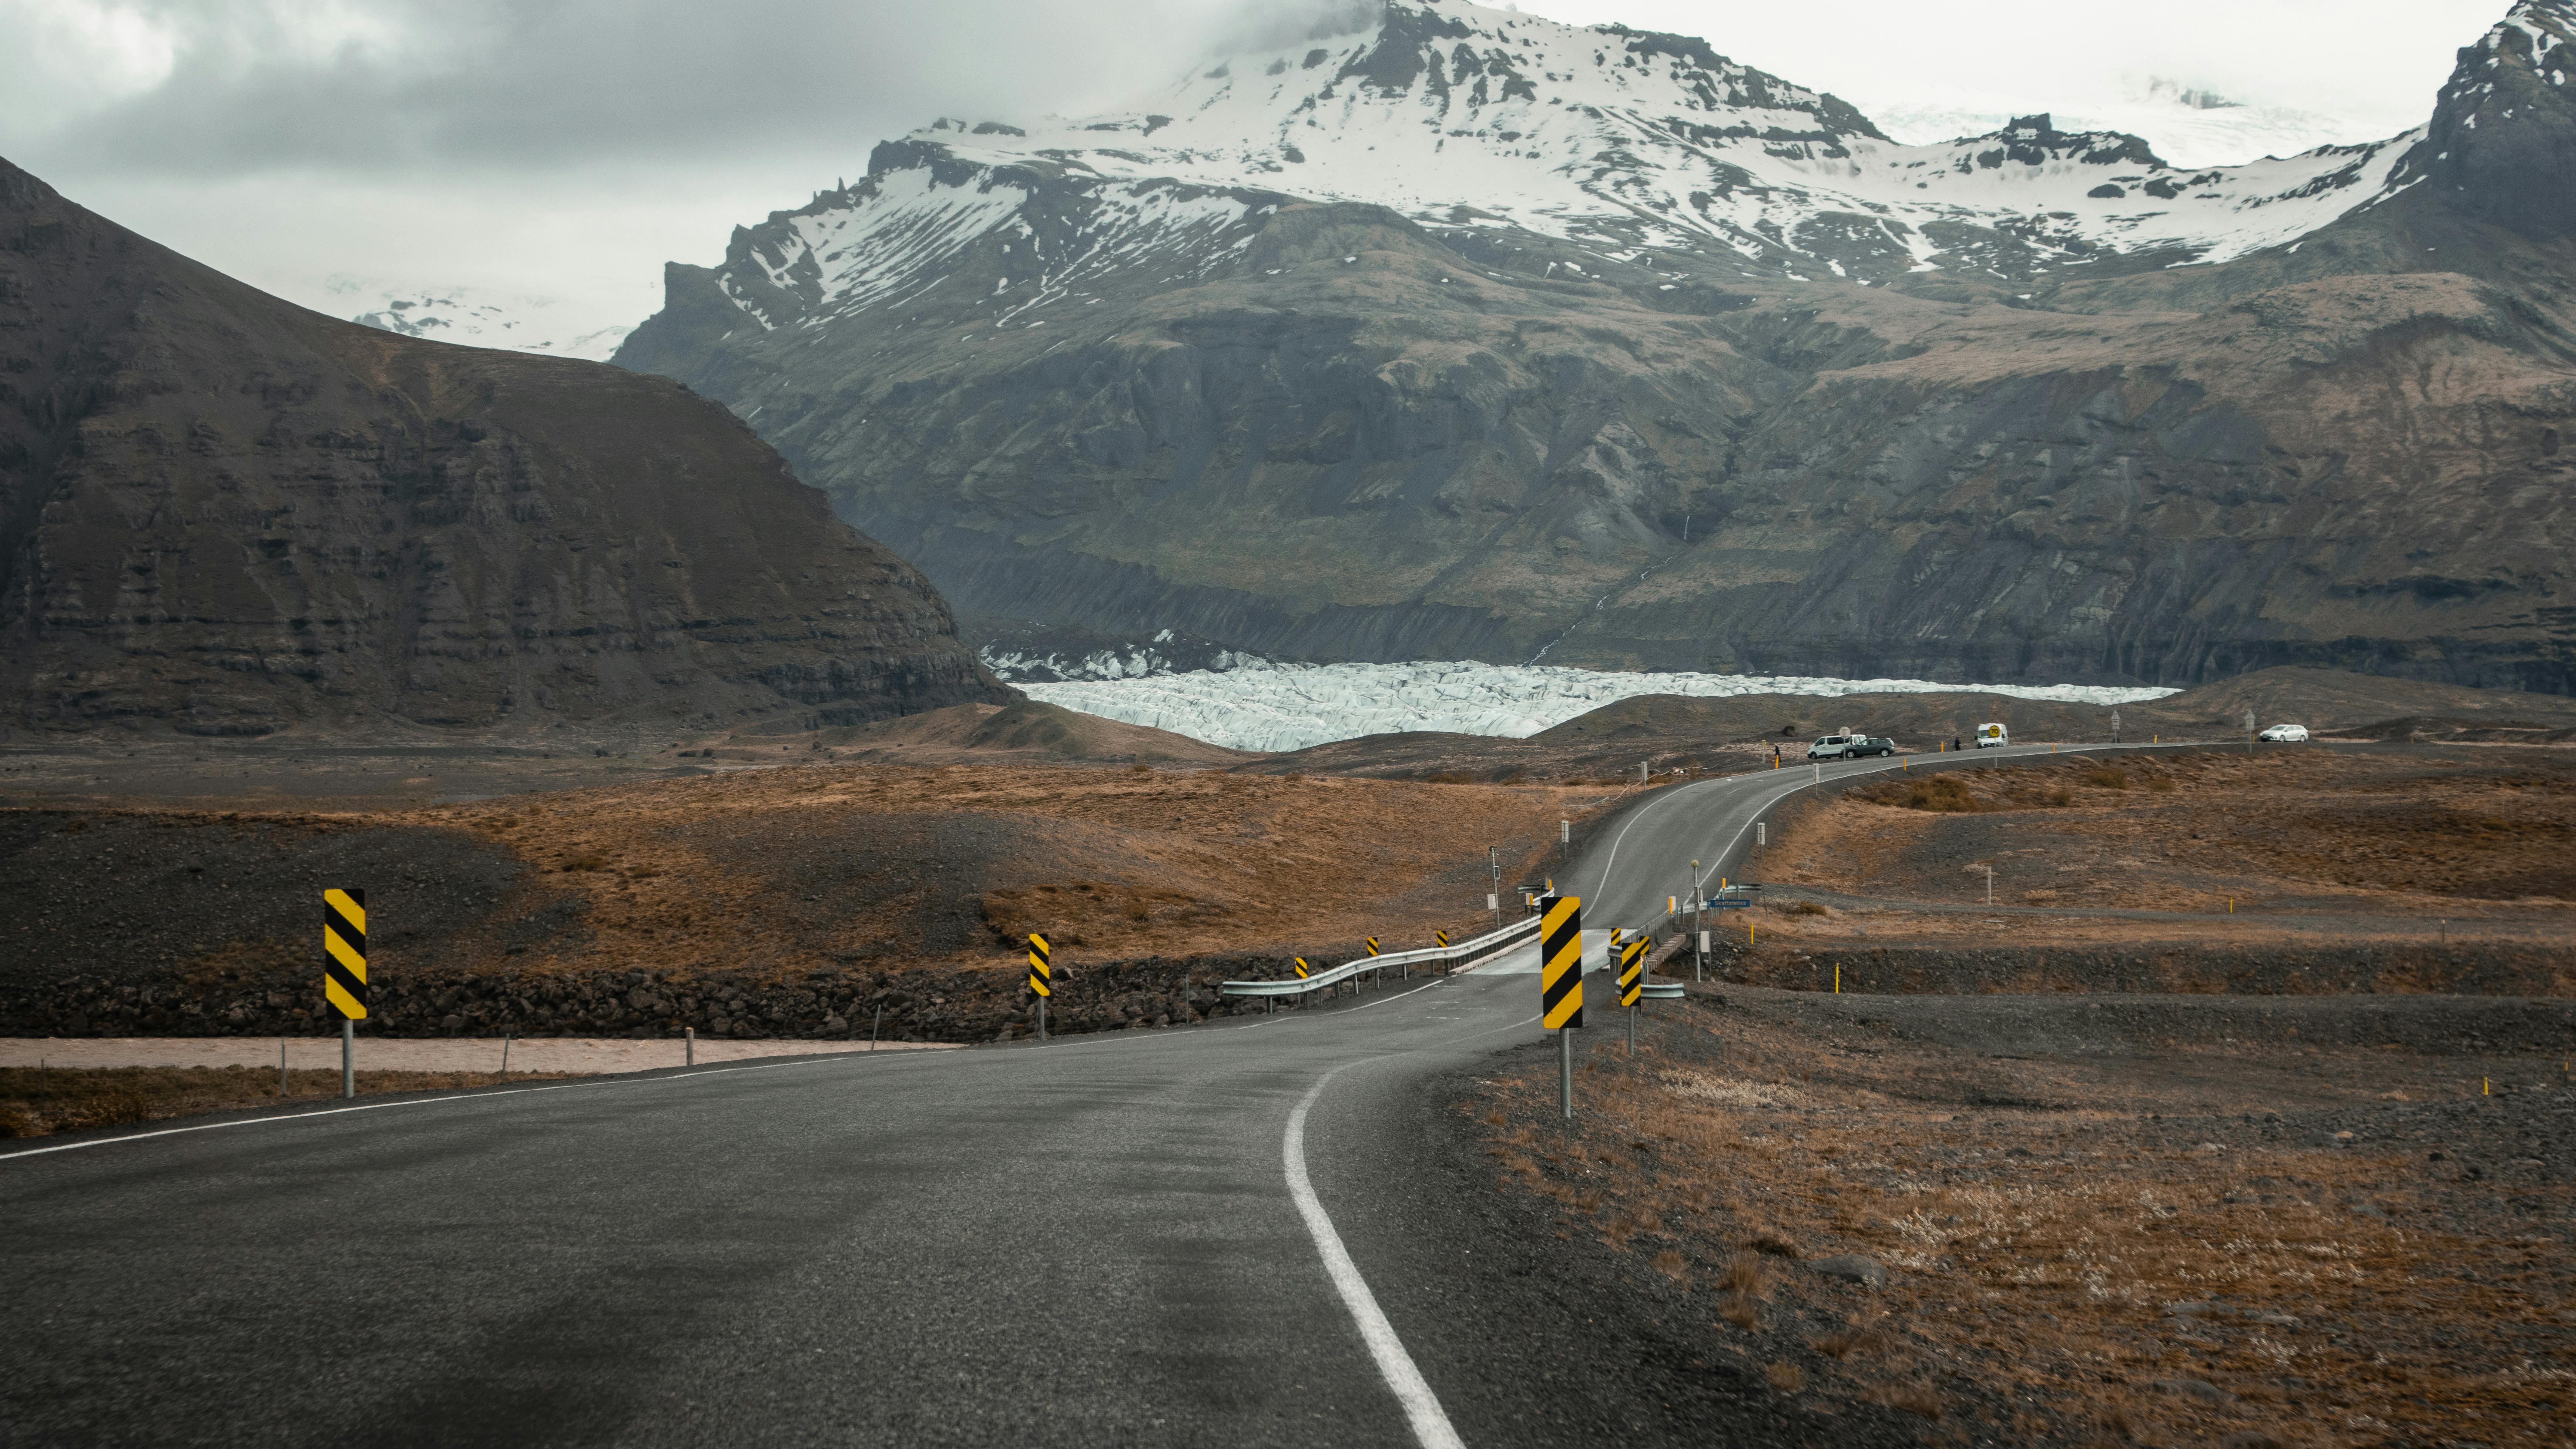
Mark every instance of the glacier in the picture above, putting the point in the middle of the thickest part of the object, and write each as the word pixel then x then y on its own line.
pixel 1258 705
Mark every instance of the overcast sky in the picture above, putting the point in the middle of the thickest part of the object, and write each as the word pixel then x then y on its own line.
pixel 569 147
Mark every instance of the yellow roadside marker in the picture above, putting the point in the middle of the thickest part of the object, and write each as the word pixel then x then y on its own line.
pixel 1560 985
pixel 344 973
pixel 1041 977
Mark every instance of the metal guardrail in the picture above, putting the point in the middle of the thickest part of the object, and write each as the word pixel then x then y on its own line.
pixel 1663 990
pixel 1438 956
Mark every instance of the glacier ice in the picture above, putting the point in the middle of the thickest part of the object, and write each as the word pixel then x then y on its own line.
pixel 1258 705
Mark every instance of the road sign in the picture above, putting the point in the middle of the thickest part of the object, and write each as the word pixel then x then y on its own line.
pixel 1301 967
pixel 1372 945
pixel 1632 969
pixel 1041 978
pixel 1728 903
pixel 344 952
pixel 1560 989
pixel 1442 937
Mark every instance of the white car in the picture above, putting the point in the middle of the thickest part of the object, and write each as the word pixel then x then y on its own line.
pixel 1992 736
pixel 2286 734
pixel 1831 747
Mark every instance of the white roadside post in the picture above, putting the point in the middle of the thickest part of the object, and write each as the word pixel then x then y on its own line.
pixel 1699 957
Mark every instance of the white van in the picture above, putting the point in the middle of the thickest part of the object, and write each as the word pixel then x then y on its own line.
pixel 1992 736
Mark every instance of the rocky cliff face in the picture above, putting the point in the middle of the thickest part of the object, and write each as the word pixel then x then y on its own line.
pixel 1478 336
pixel 223 514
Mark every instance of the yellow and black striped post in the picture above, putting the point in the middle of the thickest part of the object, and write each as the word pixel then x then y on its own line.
pixel 1632 983
pixel 1301 966
pixel 344 973
pixel 1560 985
pixel 1442 937
pixel 1041 977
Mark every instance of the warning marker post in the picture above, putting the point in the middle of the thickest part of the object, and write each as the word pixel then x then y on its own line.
pixel 1041 978
pixel 344 973
pixel 1632 983
pixel 1560 986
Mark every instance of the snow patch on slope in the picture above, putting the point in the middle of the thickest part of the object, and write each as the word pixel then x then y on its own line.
pixel 477 317
pixel 1263 706
pixel 1609 137
pixel 2187 127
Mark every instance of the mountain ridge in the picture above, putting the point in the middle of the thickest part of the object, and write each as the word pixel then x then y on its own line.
pixel 1793 421
pixel 223 514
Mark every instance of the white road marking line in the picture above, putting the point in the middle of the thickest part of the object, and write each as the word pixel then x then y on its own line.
pixel 1421 1406
pixel 1383 1000
pixel 814 1060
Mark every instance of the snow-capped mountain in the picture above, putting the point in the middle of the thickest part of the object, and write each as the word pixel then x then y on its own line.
pixel 1638 147
pixel 479 317
pixel 1473 335
pixel 2185 125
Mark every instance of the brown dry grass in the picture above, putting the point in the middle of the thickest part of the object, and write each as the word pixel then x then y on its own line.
pixel 680 873
pixel 38 1102
pixel 2053 1276
pixel 2481 846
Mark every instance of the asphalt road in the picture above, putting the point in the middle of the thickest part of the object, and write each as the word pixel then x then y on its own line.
pixel 1642 858
pixel 1101 1241
pixel 1087 1243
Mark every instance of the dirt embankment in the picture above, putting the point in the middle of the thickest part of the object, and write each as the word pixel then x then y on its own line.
pixel 2067 1221
pixel 754 902
pixel 2299 871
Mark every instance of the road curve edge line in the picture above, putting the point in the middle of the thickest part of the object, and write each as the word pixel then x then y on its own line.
pixel 1421 1406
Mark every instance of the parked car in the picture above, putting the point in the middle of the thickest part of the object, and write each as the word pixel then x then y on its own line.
pixel 2286 734
pixel 1849 747
pixel 1992 736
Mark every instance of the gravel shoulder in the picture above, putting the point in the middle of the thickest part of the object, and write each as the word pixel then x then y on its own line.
pixel 2069 1218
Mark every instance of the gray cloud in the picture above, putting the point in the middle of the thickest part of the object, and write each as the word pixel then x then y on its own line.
pixel 381 87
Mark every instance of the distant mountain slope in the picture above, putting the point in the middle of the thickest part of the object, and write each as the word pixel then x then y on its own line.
pixel 479 317
pixel 224 514
pixel 1476 335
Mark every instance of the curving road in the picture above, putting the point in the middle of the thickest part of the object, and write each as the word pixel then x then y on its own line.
pixel 1222 1234
pixel 1641 858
